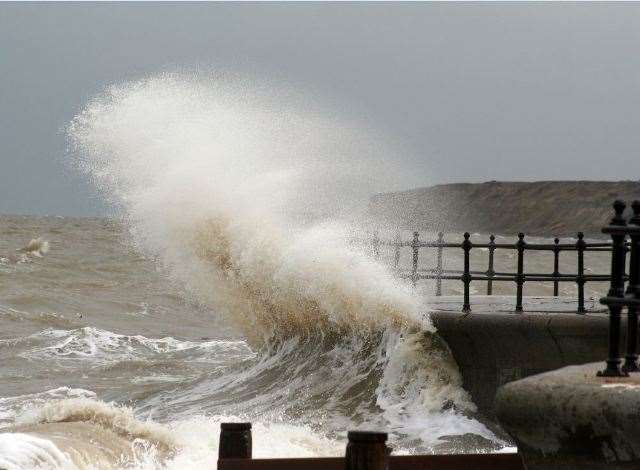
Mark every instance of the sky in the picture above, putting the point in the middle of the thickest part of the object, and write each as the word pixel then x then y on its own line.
pixel 472 92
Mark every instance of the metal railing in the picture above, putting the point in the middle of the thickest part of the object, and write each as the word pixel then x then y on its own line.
pixel 490 275
pixel 618 298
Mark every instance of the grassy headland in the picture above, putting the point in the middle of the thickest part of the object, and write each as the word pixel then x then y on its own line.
pixel 548 208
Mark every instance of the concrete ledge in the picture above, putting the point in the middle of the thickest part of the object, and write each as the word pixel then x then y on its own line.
pixel 571 419
pixel 494 345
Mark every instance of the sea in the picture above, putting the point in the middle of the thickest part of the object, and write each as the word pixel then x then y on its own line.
pixel 224 286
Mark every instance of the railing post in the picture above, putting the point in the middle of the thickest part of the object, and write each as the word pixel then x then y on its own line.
pixel 396 251
pixel 520 245
pixel 490 270
pixel 439 265
pixel 235 441
pixel 466 276
pixel 633 292
pixel 415 245
pixel 366 451
pixel 556 266
pixel 580 244
pixel 376 245
pixel 614 299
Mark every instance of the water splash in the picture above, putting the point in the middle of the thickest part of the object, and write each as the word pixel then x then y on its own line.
pixel 215 180
pixel 247 198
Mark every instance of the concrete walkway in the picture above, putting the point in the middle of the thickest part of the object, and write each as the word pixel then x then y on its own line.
pixel 506 304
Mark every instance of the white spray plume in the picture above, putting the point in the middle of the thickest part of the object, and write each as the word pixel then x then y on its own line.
pixel 229 187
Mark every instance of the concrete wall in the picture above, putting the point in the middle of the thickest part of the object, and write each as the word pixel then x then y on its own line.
pixel 493 348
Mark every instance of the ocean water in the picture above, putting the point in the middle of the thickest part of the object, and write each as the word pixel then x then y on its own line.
pixel 226 288
pixel 107 363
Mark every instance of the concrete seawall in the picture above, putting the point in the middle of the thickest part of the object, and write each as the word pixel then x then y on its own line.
pixel 572 419
pixel 493 345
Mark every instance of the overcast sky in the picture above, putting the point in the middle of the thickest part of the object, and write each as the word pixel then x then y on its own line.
pixel 473 92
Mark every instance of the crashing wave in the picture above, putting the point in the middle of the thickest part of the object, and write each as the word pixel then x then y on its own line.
pixel 227 186
pixel 36 248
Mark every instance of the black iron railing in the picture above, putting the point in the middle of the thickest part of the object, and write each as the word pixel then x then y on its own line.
pixel 618 298
pixel 490 275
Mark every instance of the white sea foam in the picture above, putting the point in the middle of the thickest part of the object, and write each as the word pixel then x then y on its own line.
pixel 102 346
pixel 117 418
pixel 19 451
pixel 184 444
pixel 11 407
pixel 37 247
pixel 229 188
pixel 213 180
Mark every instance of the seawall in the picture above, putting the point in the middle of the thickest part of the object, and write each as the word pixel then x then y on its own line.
pixel 493 345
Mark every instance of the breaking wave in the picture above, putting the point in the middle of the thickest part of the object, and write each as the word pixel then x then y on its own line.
pixel 247 199
pixel 214 182
pixel 36 248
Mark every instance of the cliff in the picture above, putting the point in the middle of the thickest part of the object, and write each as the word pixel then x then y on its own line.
pixel 548 208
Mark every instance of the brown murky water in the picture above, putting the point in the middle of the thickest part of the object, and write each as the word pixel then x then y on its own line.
pixel 105 362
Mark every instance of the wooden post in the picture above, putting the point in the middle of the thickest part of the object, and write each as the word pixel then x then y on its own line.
pixel 556 266
pixel 490 271
pixel 520 245
pixel 235 441
pixel 415 245
pixel 580 244
pixel 439 265
pixel 366 451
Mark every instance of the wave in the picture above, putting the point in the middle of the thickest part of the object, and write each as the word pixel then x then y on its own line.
pixel 301 394
pixel 11 407
pixel 247 199
pixel 19 451
pixel 36 248
pixel 213 188
pixel 102 346
pixel 56 438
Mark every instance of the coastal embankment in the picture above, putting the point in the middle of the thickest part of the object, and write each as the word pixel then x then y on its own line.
pixel 545 208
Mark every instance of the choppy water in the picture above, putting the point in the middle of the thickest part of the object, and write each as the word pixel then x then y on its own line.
pixel 224 292
pixel 93 326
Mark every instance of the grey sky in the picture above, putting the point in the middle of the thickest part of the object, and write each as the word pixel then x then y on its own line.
pixel 473 91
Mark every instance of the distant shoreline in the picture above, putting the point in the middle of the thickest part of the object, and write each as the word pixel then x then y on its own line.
pixel 541 208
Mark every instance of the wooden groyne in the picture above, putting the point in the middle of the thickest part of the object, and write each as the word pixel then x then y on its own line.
pixel 364 451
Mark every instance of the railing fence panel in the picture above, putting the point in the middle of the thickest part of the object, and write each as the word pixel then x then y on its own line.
pixel 430 261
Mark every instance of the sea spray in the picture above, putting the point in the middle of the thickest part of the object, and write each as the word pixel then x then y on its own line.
pixel 19 451
pixel 36 247
pixel 213 179
pixel 246 199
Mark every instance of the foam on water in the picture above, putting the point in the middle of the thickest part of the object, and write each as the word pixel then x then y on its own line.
pixel 213 180
pixel 19 451
pixel 241 194
pixel 37 248
pixel 103 346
